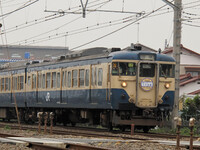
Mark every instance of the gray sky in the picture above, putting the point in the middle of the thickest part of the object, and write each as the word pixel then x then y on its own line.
pixel 33 26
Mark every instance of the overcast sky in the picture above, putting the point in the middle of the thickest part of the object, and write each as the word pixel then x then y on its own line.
pixel 148 22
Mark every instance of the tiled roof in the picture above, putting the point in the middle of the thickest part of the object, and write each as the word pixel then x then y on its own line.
pixel 191 79
pixel 170 49
pixel 195 92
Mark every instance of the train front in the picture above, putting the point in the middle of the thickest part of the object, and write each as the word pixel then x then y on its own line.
pixel 142 88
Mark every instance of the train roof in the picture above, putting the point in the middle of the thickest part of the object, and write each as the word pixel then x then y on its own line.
pixel 90 55
pixel 135 55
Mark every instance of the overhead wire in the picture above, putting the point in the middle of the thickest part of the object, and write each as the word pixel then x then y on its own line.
pixel 61 25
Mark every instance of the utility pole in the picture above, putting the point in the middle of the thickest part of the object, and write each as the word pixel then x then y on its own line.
pixel 177 6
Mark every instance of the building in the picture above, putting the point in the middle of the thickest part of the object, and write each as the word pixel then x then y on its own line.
pixel 190 60
pixel 9 53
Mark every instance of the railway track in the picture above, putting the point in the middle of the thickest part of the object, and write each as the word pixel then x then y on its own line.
pixel 95 132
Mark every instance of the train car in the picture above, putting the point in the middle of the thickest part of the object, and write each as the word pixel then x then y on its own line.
pixel 108 87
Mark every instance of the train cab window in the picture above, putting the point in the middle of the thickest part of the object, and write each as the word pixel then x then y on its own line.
pixel 147 70
pixel 167 70
pixel 100 76
pixel 69 79
pixel 74 78
pixel 58 80
pixel 87 77
pixel 81 77
pixel 43 81
pixel 2 84
pixel 53 79
pixel 34 81
pixel 48 80
pixel 124 68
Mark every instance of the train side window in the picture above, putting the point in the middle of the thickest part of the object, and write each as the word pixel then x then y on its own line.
pixel 87 77
pixel 69 79
pixel 33 81
pixel 43 81
pixel 21 82
pixel 74 78
pixel 147 70
pixel 14 83
pixel 9 84
pixel 6 84
pixel 29 80
pixel 100 76
pixel 167 70
pixel 39 80
pixel 53 79
pixel 66 79
pixel 63 78
pixel 93 76
pixel 81 77
pixel 48 80
pixel 58 80
pixel 2 84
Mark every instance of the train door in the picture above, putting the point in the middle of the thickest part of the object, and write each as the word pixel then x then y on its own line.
pixel 147 85
pixel 108 91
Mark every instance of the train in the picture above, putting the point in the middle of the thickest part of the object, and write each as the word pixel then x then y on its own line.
pixel 110 87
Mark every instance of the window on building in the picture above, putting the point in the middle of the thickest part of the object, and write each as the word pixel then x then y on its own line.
pixel 100 76
pixel 58 80
pixel 53 79
pixel 48 80
pixel 87 77
pixel 81 77
pixel 74 78
pixel 69 79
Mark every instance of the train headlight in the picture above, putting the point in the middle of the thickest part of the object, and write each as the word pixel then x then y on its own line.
pixel 124 84
pixel 167 85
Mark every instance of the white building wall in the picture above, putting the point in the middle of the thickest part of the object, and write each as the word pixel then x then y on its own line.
pixel 190 60
pixel 188 88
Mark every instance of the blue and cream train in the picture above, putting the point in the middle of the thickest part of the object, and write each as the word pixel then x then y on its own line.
pixel 109 87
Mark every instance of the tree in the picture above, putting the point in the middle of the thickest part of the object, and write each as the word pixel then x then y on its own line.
pixel 191 108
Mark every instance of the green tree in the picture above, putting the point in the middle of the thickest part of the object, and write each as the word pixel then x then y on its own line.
pixel 191 108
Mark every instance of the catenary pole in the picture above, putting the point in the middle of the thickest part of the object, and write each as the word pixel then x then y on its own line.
pixel 177 6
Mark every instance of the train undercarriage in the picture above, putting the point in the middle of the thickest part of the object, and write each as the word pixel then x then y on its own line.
pixel 142 119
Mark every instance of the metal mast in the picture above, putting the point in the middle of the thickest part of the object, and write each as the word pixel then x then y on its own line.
pixel 177 6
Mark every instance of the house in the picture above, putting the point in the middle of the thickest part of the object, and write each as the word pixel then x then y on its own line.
pixel 189 60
